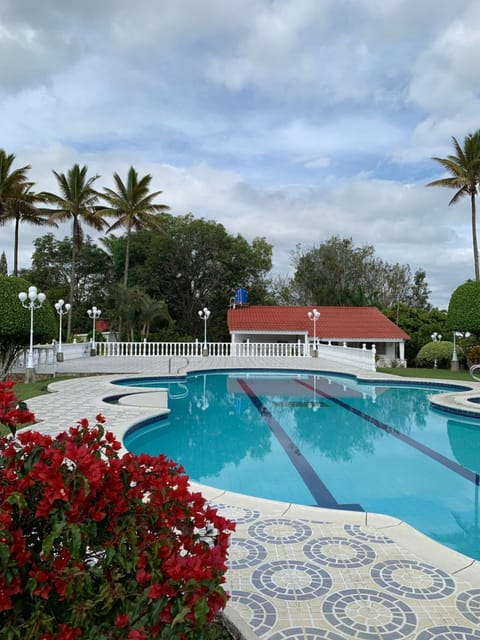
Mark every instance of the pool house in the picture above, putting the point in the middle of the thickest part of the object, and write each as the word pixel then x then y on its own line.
pixel 311 328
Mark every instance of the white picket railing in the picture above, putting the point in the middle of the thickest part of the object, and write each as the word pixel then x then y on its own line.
pixel 46 361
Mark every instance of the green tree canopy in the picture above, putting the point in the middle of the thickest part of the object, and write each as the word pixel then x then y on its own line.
pixel 51 272
pixel 134 208
pixel 195 263
pixel 419 323
pixel 339 273
pixel 15 321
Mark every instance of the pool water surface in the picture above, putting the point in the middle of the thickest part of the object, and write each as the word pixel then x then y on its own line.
pixel 325 440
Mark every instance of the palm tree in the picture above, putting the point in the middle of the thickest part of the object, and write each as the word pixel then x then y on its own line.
pixel 132 204
pixel 77 202
pixel 10 178
pixel 17 200
pixel 20 206
pixel 464 170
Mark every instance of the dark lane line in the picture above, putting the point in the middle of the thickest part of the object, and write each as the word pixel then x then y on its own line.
pixel 317 488
pixel 431 453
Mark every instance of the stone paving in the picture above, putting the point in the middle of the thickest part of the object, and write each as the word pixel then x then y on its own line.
pixel 294 571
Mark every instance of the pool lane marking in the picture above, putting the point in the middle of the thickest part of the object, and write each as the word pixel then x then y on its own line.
pixel 435 455
pixel 317 488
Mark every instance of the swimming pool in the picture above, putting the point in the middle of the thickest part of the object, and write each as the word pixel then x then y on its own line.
pixel 325 440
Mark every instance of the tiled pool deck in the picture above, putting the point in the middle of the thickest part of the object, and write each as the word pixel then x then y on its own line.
pixel 300 572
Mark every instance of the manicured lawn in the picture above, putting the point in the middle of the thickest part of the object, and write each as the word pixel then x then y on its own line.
pixel 437 374
pixel 25 391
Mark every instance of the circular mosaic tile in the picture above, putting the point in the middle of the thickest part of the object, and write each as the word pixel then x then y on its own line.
pixel 305 633
pixel 412 579
pixel 369 614
pixel 453 632
pixel 245 553
pixel 366 534
pixel 339 552
pixel 468 603
pixel 291 580
pixel 280 530
pixel 238 514
pixel 260 614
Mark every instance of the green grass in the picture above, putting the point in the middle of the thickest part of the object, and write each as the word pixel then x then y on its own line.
pixel 39 388
pixel 435 374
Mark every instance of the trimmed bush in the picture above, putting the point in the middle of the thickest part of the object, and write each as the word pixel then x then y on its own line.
pixel 439 354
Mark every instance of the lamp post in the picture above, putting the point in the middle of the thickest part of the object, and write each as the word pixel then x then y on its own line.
pixel 61 310
pixel 204 315
pixel 454 364
pixel 314 315
pixel 94 313
pixel 35 301
pixel 436 337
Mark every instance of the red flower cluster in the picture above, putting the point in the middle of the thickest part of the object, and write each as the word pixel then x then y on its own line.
pixel 98 544
pixel 11 412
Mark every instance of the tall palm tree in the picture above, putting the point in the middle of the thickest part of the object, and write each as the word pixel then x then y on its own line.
pixel 464 170
pixel 132 204
pixel 77 202
pixel 17 200
pixel 10 178
pixel 21 206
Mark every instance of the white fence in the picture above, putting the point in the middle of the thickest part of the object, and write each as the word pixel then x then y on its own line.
pixel 46 361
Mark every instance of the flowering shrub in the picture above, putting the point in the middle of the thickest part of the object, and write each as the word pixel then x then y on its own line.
pixel 12 413
pixel 98 545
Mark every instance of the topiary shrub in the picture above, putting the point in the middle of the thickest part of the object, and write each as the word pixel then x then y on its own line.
pixel 438 354
pixel 15 322
pixel 464 308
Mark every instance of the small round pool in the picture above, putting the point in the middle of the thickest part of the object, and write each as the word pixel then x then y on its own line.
pixel 325 440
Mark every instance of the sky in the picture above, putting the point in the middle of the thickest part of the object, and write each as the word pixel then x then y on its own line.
pixel 293 120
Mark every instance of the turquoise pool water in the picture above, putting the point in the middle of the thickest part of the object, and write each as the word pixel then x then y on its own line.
pixel 325 440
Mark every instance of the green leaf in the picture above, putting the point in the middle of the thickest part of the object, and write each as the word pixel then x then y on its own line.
pixel 49 541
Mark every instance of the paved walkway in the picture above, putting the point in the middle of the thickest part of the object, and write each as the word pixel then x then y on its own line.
pixel 300 572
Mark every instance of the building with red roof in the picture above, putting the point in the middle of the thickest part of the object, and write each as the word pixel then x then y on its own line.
pixel 350 326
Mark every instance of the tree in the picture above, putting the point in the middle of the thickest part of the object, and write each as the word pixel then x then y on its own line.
pixel 195 263
pixel 77 202
pixel 132 204
pixel 340 274
pixel 15 322
pixel 464 170
pixel 21 206
pixel 17 199
pixel 51 271
pixel 419 323
pixel 10 179
pixel 464 308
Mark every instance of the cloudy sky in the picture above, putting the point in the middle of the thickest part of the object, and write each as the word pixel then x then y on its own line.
pixel 294 120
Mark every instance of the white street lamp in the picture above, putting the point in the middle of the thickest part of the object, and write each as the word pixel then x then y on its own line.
pixel 314 315
pixel 436 337
pixel 94 313
pixel 61 310
pixel 204 315
pixel 454 364
pixel 35 301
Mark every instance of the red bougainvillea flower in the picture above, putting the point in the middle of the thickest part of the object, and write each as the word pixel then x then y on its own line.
pixel 93 542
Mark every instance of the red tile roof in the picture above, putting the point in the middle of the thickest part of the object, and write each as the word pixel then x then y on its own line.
pixel 334 323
